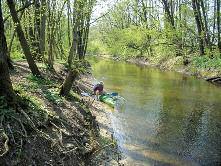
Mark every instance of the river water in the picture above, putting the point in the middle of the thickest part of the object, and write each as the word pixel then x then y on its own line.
pixel 168 119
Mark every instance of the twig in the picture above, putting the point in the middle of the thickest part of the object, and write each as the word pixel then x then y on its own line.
pixel 22 126
pixel 13 138
pixel 27 5
pixel 100 149
pixel 2 118
pixel 5 144
pixel 62 130
pixel 69 151
pixel 31 123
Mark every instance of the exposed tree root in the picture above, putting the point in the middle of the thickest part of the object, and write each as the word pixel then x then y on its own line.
pixel 3 136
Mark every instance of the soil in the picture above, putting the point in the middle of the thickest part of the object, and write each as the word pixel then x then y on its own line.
pixel 72 131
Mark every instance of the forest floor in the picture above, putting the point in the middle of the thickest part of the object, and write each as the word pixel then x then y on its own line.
pixel 52 130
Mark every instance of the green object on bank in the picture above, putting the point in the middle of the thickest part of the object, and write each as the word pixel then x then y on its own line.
pixel 108 99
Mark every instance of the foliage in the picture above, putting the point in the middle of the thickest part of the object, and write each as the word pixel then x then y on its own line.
pixel 140 28
pixel 80 66
pixel 125 42
pixel 51 93
pixel 206 62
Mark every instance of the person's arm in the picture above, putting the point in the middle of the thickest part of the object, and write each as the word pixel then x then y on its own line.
pixel 95 88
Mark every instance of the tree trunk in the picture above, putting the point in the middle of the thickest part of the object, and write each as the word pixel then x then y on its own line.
pixel 23 41
pixel 67 85
pixel 51 36
pixel 214 23
pixel 69 36
pixel 37 29
pixel 13 36
pixel 218 25
pixel 73 48
pixel 169 14
pixel 6 89
pixel 42 28
pixel 80 50
pixel 199 27
pixel 207 36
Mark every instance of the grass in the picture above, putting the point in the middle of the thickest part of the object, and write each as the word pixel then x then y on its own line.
pixel 204 62
pixel 34 106
pixel 50 91
pixel 17 55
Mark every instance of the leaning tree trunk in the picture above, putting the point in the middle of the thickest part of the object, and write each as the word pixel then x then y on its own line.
pixel 22 39
pixel 6 89
pixel 66 87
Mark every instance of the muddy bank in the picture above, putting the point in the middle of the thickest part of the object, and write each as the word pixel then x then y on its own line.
pixel 173 64
pixel 108 152
pixel 177 64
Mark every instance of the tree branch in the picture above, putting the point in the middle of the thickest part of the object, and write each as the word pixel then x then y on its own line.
pixel 27 5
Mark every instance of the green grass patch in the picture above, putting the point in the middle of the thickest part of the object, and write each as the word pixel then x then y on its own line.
pixel 205 62
pixel 53 96
pixel 33 106
pixel 40 81
pixel 73 96
pixel 16 55
pixel 50 92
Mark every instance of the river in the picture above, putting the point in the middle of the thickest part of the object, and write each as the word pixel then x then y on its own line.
pixel 168 119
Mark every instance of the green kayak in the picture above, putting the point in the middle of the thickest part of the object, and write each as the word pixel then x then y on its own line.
pixel 108 99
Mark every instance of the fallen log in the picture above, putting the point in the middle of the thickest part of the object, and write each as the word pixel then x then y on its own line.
pixel 213 79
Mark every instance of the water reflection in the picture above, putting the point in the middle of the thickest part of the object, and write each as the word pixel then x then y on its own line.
pixel 169 118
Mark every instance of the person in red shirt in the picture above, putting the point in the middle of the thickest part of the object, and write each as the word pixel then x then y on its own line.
pixel 98 89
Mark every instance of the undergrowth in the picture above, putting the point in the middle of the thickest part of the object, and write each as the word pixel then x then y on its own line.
pixel 205 62
pixel 48 87
pixel 18 123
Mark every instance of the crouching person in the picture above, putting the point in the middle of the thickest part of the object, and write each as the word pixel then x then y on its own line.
pixel 98 89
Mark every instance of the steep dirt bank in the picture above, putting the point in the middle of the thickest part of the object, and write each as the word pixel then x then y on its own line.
pixel 50 129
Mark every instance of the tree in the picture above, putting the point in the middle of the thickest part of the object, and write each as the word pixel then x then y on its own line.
pixel 206 33
pixel 67 85
pixel 195 5
pixel 169 13
pixel 82 15
pixel 218 24
pixel 22 39
pixel 42 27
pixel 6 89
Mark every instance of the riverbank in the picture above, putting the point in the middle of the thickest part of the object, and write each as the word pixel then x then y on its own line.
pixel 168 118
pixel 49 129
pixel 109 153
pixel 177 64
